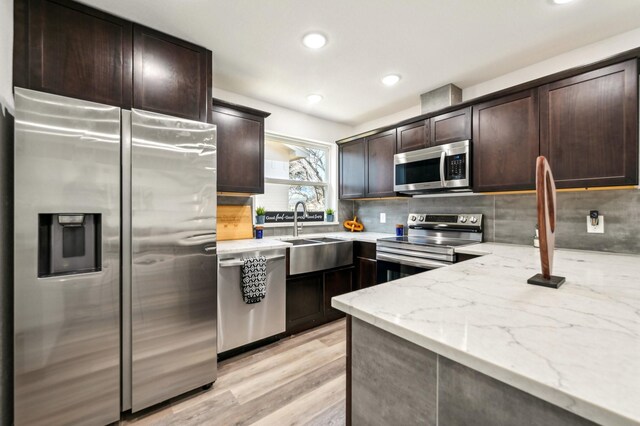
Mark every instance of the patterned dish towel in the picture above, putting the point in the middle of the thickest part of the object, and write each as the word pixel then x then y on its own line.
pixel 254 279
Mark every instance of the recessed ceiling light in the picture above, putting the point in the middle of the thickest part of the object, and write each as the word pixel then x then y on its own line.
pixel 390 80
pixel 314 98
pixel 314 40
pixel 562 1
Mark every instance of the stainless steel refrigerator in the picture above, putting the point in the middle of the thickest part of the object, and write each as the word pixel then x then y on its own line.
pixel 115 259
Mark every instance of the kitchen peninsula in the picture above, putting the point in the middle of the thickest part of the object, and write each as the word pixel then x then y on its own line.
pixel 473 343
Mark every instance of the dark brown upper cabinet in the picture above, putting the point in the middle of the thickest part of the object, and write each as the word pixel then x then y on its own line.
pixel 352 169
pixel 380 149
pixel 589 127
pixel 366 166
pixel 240 147
pixel 506 142
pixel 68 49
pixel 450 127
pixel 413 136
pixel 170 76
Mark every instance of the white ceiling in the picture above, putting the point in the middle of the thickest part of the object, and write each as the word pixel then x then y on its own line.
pixel 258 51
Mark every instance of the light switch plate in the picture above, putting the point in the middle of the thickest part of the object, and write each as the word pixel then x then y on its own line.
pixel 598 229
pixel 383 218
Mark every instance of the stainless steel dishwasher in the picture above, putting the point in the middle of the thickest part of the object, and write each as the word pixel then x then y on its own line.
pixel 239 323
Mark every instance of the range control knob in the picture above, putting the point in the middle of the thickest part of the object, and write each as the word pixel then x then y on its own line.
pixel 474 219
pixel 413 218
pixel 421 218
pixel 463 219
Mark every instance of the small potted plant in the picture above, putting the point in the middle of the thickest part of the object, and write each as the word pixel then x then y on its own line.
pixel 330 213
pixel 260 215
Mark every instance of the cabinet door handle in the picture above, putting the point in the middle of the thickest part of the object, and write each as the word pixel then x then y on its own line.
pixel 239 262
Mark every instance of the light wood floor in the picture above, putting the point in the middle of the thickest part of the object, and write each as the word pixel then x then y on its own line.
pixel 296 381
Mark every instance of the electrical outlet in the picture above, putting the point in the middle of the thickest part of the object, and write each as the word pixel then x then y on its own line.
pixel 597 229
pixel 383 218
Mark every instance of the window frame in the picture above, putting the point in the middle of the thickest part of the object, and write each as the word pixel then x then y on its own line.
pixel 331 175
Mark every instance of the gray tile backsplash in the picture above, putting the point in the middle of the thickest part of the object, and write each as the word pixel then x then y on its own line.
pixel 516 218
pixel 368 213
pixel 512 218
pixel 473 204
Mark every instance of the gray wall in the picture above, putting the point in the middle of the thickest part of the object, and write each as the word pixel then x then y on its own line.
pixel 6 265
pixel 512 218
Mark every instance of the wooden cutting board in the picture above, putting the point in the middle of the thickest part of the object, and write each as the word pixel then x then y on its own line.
pixel 234 223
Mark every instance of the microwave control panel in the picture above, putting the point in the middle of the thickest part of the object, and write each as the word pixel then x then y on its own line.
pixel 456 167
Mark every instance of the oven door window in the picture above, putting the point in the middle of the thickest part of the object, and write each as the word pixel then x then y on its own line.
pixel 388 271
pixel 415 172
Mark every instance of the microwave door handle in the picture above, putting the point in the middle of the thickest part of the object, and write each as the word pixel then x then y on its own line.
pixel 443 156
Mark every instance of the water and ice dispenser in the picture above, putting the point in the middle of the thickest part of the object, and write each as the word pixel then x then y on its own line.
pixel 69 243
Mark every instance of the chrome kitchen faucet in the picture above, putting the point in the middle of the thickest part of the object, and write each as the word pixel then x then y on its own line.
pixel 295 216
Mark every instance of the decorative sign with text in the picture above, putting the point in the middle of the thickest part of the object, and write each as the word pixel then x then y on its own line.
pixel 287 216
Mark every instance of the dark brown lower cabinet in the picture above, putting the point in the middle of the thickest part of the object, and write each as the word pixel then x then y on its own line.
pixel 305 302
pixel 364 255
pixel 309 298
pixel 336 283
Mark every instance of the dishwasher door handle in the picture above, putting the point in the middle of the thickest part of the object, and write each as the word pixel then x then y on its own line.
pixel 239 262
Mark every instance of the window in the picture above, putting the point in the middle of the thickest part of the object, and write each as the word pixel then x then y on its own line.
pixel 296 170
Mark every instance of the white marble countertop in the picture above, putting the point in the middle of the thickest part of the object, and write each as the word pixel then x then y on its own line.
pixel 577 347
pixel 239 246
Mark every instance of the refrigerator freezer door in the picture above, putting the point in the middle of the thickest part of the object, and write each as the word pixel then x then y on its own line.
pixel 173 282
pixel 66 326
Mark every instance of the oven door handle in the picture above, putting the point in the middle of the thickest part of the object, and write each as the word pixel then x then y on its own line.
pixel 446 257
pixel 443 157
pixel 406 260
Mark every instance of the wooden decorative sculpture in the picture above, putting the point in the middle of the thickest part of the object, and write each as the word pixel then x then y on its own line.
pixel 353 225
pixel 546 194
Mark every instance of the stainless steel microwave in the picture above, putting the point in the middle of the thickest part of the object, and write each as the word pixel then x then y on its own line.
pixel 443 167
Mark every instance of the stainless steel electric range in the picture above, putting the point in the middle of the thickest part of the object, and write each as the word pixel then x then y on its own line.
pixel 430 243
